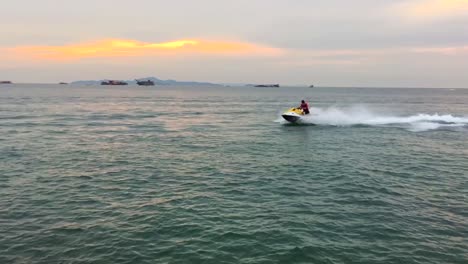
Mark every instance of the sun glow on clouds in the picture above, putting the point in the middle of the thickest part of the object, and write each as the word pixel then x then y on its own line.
pixel 430 9
pixel 109 49
pixel 121 48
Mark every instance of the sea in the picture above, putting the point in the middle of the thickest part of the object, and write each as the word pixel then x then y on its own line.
pixel 165 174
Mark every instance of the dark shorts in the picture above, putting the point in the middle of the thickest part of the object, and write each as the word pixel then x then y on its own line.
pixel 306 111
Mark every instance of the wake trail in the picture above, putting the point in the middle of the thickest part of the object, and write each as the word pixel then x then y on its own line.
pixel 358 115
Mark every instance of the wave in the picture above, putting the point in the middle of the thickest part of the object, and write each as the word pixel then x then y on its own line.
pixel 359 115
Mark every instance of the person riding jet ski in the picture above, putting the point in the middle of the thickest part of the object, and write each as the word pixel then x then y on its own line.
pixel 305 107
pixel 295 114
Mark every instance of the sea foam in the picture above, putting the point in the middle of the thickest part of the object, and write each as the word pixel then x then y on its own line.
pixel 360 115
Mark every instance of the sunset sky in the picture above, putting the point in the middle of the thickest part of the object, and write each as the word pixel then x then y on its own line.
pixel 392 43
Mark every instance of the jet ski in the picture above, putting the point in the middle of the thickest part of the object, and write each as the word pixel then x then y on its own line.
pixel 293 115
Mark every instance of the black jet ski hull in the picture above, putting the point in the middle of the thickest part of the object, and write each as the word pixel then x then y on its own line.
pixel 291 118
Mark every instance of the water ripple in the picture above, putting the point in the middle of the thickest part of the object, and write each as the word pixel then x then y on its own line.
pixel 183 176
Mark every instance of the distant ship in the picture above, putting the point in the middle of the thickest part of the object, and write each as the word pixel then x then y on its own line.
pixel 267 85
pixel 112 82
pixel 312 86
pixel 5 82
pixel 145 83
pixel 63 83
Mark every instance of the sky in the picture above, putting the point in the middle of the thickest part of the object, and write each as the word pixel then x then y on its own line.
pixel 366 43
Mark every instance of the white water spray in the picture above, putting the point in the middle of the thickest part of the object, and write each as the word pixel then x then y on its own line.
pixel 358 115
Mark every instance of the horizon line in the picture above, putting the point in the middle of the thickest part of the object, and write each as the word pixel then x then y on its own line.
pixel 247 85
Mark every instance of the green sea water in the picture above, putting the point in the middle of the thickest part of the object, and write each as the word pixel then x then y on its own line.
pixel 213 175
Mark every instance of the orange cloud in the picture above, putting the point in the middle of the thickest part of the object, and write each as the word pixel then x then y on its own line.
pixel 430 9
pixel 120 48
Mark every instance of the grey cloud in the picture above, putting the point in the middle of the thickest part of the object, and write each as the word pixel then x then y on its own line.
pixel 343 33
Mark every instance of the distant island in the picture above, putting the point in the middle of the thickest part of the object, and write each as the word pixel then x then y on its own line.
pixel 154 80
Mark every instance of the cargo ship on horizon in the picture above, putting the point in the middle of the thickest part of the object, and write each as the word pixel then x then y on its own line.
pixel 145 82
pixel 267 85
pixel 113 82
